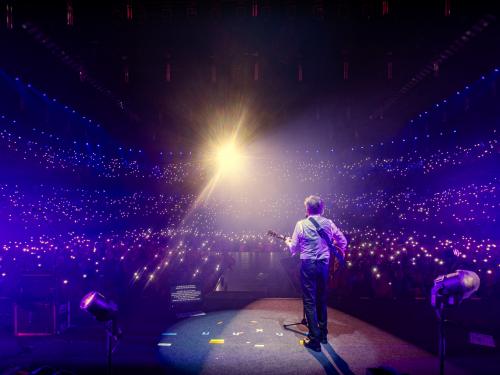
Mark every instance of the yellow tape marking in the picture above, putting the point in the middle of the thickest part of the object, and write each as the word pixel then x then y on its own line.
pixel 216 341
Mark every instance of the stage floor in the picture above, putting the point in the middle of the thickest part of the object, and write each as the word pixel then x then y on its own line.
pixel 253 341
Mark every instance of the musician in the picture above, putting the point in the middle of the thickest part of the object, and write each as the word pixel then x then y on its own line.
pixel 315 256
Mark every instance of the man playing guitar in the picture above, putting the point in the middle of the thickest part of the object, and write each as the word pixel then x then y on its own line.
pixel 313 238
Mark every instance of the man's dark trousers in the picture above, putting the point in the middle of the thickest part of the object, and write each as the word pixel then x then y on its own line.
pixel 314 278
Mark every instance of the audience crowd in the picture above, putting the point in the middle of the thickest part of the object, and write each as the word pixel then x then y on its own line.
pixel 409 217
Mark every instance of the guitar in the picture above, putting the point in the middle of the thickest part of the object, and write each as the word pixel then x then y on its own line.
pixel 335 266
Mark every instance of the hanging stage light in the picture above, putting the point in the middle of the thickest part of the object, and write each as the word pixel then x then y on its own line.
pixel 102 309
pixel 453 288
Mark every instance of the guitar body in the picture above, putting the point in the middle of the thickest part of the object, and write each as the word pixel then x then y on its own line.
pixel 335 269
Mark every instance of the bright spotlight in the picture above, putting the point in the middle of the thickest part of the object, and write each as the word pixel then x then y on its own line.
pixel 229 164
pixel 228 158
pixel 225 159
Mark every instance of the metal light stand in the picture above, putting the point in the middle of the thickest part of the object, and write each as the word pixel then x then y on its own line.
pixel 441 336
pixel 440 304
pixel 113 333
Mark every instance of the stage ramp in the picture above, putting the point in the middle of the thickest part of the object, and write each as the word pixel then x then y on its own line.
pixel 264 274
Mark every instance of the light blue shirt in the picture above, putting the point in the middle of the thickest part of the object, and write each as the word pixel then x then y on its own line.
pixel 307 241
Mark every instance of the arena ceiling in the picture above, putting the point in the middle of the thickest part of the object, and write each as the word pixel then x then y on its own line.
pixel 158 72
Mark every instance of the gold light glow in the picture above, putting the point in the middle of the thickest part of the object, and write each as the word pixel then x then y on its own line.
pixel 229 158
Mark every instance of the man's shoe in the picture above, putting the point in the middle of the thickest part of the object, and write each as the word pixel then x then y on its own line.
pixel 308 343
pixel 324 340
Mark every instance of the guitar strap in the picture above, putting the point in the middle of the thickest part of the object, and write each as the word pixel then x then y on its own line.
pixel 331 246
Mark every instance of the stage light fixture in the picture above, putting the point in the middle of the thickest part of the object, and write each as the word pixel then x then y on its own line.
pixel 449 290
pixel 97 305
pixel 453 288
pixel 106 311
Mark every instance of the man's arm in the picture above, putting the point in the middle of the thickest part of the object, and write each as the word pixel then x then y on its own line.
pixel 338 238
pixel 293 242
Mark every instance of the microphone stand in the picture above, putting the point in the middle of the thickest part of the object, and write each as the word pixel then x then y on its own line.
pixel 303 322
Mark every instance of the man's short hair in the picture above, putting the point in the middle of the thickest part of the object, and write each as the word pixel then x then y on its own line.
pixel 314 205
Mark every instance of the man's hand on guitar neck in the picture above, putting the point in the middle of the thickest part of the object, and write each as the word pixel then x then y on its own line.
pixel 287 239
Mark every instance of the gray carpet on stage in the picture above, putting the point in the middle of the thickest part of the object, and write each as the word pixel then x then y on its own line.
pixel 253 341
